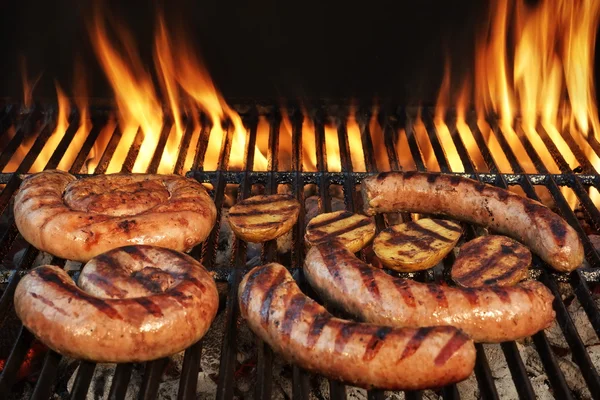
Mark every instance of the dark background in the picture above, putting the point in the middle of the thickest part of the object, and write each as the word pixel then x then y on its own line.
pixel 262 48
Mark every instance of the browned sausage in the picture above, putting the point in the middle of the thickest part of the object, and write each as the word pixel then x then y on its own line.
pixel 490 314
pixel 361 354
pixel 532 223
pixel 143 303
pixel 77 219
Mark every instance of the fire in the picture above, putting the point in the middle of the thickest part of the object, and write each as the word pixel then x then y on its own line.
pixel 62 123
pixel 355 142
pixel 85 124
pixel 534 70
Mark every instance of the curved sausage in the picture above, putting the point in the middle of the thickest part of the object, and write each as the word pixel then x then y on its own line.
pixel 491 314
pixel 77 219
pixel 361 354
pixel 528 221
pixel 139 303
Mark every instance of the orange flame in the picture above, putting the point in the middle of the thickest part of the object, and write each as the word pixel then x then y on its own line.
pixel 534 69
pixel 62 123
pixel 136 99
pixel 85 124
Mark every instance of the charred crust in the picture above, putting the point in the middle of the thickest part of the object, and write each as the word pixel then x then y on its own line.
pixel 502 294
pixel 53 279
pixel 383 175
pixel 415 342
pixel 368 278
pixel 451 347
pixel 106 285
pixel 127 225
pixel 316 328
pixel 321 236
pixel 136 253
pixel 403 287
pixel 292 313
pixel 455 180
pixel 559 230
pixel 268 299
pixel 375 343
pixel 432 178
pixel 151 307
pixel 471 295
pixel 48 302
pixel 339 217
pixel 438 293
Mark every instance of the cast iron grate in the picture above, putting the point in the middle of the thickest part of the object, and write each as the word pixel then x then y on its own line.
pixel 578 181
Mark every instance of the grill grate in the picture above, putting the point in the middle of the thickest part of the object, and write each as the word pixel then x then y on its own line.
pixel 578 180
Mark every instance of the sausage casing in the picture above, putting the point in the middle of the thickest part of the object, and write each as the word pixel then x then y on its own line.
pixel 361 354
pixel 490 314
pixel 526 220
pixel 143 303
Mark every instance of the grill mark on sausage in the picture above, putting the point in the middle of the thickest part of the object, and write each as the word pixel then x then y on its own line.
pixel 438 292
pixel 149 306
pixel 48 302
pixel 368 278
pixel 502 294
pixel 292 313
pixel 471 295
pixel 448 225
pixel 51 217
pixel 316 328
pixel 180 297
pixel 558 229
pixel 425 231
pixel 137 254
pixel 51 278
pixel 196 282
pixel 377 340
pixel 345 332
pixel 266 304
pixel 415 342
pixel 330 257
pixel 403 288
pixel 256 277
pixel 321 236
pixel 341 216
pixel 431 178
pixel 107 286
pixel 453 345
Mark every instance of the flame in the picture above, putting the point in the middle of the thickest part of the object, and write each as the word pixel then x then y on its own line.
pixel 138 104
pixel 534 70
pixel 195 80
pixel 309 147
pixel 62 123
pixel 383 163
pixel 28 83
pixel 355 142
pixel 332 146
pixel 85 124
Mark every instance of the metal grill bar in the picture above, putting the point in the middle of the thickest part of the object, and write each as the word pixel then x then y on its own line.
pixel 578 180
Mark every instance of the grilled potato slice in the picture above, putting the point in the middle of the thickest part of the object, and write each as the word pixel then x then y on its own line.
pixel 354 231
pixel 491 260
pixel 263 218
pixel 416 245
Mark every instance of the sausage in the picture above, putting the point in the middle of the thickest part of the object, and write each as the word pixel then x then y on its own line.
pixel 490 314
pixel 77 219
pixel 139 303
pixel 526 220
pixel 360 354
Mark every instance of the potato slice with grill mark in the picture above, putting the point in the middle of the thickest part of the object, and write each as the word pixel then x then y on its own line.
pixel 491 260
pixel 263 218
pixel 354 231
pixel 416 245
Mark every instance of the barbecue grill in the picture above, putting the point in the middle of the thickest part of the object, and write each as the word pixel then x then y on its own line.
pixel 402 146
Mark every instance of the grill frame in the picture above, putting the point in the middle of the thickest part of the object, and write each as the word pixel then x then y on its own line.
pixel 297 178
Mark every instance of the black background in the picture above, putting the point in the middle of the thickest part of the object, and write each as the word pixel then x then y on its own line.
pixel 262 48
